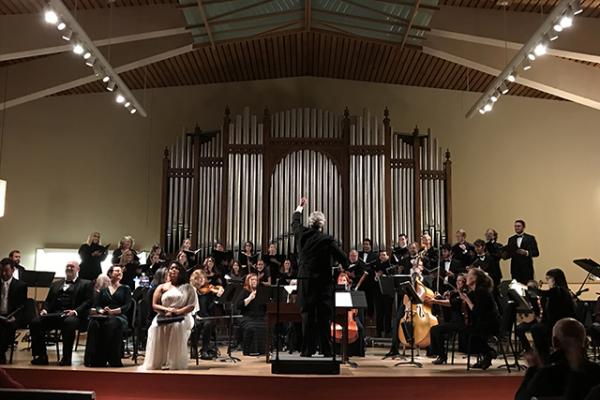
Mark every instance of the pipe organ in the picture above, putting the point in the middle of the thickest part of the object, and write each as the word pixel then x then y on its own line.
pixel 242 183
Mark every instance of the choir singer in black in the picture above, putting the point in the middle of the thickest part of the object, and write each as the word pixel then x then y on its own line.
pixel 316 254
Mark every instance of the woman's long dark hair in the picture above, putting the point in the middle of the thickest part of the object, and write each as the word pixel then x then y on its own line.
pixel 483 280
pixel 560 280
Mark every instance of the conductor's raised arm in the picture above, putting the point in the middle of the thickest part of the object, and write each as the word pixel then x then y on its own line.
pixel 297 219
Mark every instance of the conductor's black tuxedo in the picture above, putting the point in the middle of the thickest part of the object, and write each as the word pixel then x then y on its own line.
pixel 521 267
pixel 317 253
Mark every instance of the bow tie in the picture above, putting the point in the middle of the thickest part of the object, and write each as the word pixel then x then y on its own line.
pixel 482 258
pixel 520 236
pixel 69 282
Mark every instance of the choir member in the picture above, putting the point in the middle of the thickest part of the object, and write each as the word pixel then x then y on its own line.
pixel 222 258
pixel 253 323
pixel 494 251
pixel 521 249
pixel 356 269
pixel 273 261
pixel 383 302
pixel 13 295
pixel 182 258
pixel 429 254
pixel 450 267
pixel 455 321
pixel 286 273
pixel 486 262
pixel 15 257
pixel 66 308
pixel 92 254
pixel 410 261
pixel 317 252
pixel 569 375
pixel 186 247
pixel 208 266
pixel 264 277
pixel 247 257
pixel 558 303
pixel 483 317
pixel 153 263
pixel 463 251
pixel 108 321
pixel 235 272
pixel 401 251
pixel 157 249
pixel 168 337
pixel 126 243
pixel 207 294
pixel 367 255
pixel 130 268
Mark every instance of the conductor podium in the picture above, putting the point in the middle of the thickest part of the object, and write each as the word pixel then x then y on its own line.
pixel 294 364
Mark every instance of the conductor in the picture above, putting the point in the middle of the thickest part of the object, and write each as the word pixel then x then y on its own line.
pixel 317 253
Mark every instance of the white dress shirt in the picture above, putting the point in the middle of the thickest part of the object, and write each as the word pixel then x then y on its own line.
pixel 4 297
pixel 519 241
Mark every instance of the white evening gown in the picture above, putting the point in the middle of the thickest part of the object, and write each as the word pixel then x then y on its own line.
pixel 167 344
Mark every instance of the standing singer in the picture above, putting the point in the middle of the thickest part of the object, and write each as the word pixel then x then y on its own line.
pixel 316 254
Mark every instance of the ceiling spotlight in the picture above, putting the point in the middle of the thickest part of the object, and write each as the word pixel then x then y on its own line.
pixel 127 104
pixel 90 61
pixel 487 107
pixel 111 86
pixel 61 26
pixel 67 35
pixel 494 98
pixel 481 111
pixel 511 77
pixel 51 17
pixel 557 27
pixel 531 56
pixel 120 99
pixel 576 6
pixel 553 36
pixel 97 69
pixel 133 111
pixel 106 79
pixel 78 49
pixel 87 55
pixel 566 21
pixel 503 88
pixel 526 65
pixel 540 49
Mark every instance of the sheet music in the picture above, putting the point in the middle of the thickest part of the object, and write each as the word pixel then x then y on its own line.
pixel 343 299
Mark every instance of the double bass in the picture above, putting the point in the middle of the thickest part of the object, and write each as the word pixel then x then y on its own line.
pixel 420 315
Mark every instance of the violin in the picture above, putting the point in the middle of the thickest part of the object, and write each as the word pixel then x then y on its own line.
pixel 206 289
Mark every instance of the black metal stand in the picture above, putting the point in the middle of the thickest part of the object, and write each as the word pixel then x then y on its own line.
pixel 229 357
pixel 410 293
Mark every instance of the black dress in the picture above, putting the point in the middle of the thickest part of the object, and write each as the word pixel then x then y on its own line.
pixel 130 272
pixel 484 320
pixel 90 265
pixel 105 335
pixel 253 324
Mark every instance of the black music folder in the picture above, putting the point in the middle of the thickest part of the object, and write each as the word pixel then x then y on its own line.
pixel 37 279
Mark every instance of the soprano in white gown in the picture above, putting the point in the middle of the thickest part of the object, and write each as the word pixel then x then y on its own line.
pixel 167 344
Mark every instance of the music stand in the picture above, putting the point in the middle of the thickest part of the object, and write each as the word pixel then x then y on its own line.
pixel 230 295
pixel 347 301
pixel 390 286
pixel 36 279
pixel 589 265
pixel 413 298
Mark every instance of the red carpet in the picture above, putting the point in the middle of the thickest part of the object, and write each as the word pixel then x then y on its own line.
pixel 174 386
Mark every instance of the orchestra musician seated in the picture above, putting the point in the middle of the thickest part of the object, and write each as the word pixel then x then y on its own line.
pixel 13 295
pixel 483 316
pixel 253 323
pixel 557 304
pixel 456 321
pixel 108 321
pixel 66 308
pixel 356 342
pixel 207 294
pixel 174 301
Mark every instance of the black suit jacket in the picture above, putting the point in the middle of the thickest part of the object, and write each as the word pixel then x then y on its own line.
pixel 489 265
pixel 521 267
pixel 81 300
pixel 316 255
pixel 17 296
pixel 465 258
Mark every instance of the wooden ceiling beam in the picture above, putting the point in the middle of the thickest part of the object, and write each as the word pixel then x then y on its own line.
pixel 363 28
pixel 411 20
pixel 307 15
pixel 408 3
pixel 205 20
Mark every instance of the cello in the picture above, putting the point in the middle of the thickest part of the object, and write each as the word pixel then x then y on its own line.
pixel 420 315
pixel 337 329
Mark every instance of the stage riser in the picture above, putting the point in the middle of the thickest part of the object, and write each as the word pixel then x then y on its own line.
pixel 182 386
